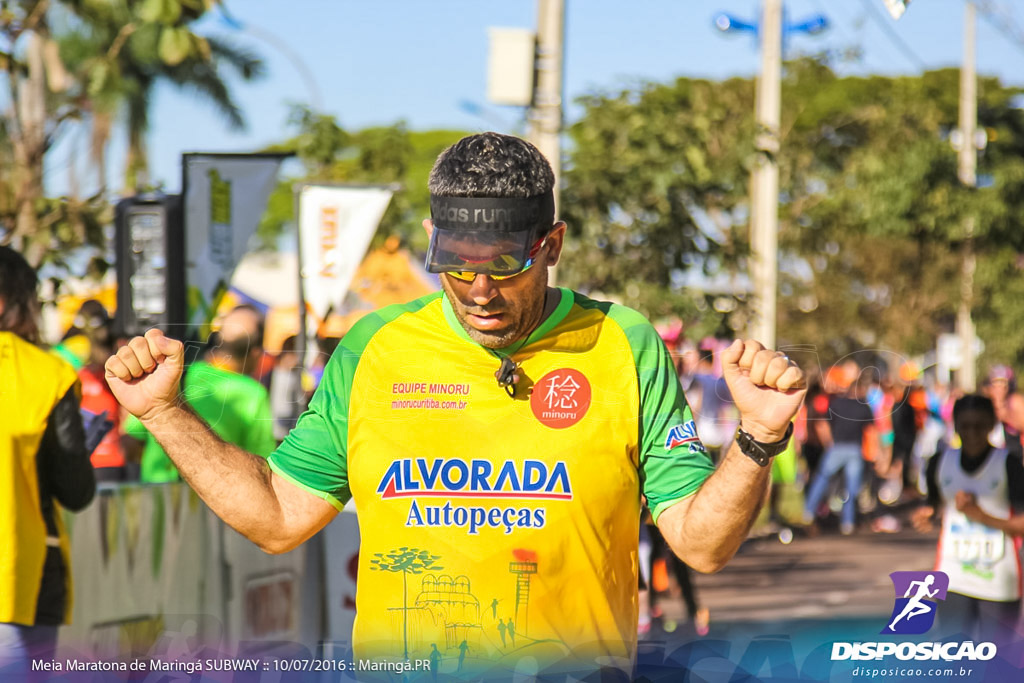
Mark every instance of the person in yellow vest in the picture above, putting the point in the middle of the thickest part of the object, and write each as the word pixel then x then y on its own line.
pixel 496 438
pixel 44 465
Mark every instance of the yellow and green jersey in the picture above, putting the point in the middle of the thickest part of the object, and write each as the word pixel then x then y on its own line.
pixel 496 528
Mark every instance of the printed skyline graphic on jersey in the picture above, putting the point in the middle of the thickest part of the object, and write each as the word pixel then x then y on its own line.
pixel 916 603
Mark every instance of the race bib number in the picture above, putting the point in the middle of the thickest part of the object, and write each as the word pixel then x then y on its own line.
pixel 976 543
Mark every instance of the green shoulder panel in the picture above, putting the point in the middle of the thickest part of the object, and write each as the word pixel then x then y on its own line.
pixel 673 462
pixel 314 455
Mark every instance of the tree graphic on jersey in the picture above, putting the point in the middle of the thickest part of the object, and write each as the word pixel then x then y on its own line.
pixel 408 561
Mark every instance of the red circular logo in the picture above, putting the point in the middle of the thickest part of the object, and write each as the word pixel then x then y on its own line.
pixel 561 398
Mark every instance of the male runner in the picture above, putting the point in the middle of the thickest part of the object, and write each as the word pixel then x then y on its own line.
pixel 526 489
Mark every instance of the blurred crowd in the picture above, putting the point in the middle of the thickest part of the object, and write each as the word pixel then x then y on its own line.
pixel 249 396
pixel 864 458
pixel 891 419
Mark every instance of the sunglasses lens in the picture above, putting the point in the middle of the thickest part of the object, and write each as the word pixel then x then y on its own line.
pixel 470 275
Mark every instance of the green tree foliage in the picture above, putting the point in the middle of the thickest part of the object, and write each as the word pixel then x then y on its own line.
pixel 872 214
pixel 92 60
pixel 874 207
pixel 120 50
pixel 656 186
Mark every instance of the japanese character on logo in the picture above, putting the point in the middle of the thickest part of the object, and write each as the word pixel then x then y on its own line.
pixel 561 393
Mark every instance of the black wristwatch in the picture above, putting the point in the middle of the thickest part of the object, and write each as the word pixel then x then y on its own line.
pixel 762 453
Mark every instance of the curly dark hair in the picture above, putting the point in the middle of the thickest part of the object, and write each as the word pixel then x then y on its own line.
pixel 491 165
pixel 19 300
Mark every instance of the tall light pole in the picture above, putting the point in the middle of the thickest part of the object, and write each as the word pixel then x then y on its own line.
pixel 968 161
pixel 967 140
pixel 764 185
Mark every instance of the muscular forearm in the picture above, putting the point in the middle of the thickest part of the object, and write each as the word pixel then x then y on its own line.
pixel 707 529
pixel 238 486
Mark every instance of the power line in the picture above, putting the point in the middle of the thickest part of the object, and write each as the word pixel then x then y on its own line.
pixel 1002 20
pixel 894 38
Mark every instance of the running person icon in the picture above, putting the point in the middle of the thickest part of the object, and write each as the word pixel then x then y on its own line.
pixel 915 606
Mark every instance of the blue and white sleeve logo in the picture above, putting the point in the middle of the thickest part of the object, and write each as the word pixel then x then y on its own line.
pixel 916 596
pixel 684 434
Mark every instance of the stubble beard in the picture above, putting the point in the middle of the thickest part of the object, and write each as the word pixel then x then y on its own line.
pixel 517 328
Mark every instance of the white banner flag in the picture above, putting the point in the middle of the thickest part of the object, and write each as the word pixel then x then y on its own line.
pixel 336 224
pixel 225 197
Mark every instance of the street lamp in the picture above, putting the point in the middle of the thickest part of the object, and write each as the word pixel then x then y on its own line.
pixel 811 25
pixel 896 7
pixel 764 191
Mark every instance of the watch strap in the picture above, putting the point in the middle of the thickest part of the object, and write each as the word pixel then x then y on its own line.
pixel 760 452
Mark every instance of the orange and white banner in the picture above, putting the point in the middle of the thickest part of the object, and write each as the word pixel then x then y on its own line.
pixel 336 224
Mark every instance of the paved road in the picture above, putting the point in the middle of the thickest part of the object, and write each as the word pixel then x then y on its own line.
pixel 777 609
pixel 827 576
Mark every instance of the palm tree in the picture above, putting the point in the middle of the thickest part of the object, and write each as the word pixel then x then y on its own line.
pixel 122 59
pixel 203 76
pixel 116 51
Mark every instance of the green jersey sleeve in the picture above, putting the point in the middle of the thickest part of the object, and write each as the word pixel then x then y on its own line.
pixel 673 461
pixel 314 454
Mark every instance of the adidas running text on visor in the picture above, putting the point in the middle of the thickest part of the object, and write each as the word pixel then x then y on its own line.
pixel 495 237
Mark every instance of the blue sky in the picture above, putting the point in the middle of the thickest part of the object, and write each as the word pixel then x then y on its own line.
pixel 379 61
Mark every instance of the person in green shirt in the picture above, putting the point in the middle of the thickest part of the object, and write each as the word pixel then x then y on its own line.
pixel 220 390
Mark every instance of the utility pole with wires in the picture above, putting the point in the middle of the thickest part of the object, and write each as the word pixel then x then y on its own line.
pixel 771 29
pixel 545 115
pixel 967 140
pixel 525 69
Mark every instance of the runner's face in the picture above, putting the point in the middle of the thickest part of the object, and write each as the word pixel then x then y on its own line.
pixel 973 427
pixel 497 313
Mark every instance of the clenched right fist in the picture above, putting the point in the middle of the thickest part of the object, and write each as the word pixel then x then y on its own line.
pixel 144 374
